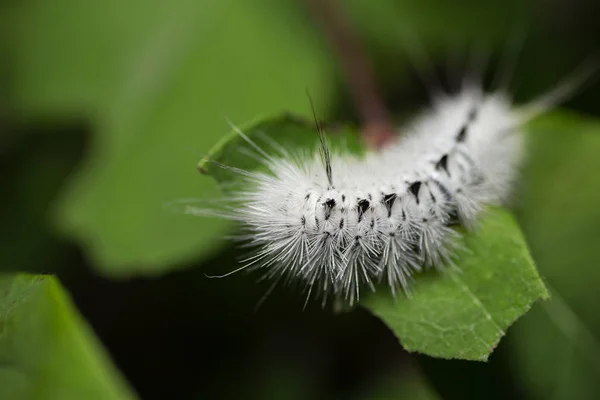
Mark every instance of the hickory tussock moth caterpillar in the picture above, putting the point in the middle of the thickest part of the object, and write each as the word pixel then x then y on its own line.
pixel 337 223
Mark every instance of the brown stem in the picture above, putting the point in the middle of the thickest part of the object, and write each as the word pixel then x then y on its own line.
pixel 377 129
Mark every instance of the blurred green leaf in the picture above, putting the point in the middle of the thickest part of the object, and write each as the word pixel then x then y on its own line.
pixel 401 23
pixel 556 349
pixel 400 384
pixel 156 79
pixel 458 314
pixel 47 351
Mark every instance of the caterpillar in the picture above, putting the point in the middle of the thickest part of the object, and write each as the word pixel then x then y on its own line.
pixel 338 223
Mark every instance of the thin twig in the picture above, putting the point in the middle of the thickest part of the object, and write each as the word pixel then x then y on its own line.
pixel 377 129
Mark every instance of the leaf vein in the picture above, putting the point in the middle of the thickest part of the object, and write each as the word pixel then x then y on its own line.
pixel 465 288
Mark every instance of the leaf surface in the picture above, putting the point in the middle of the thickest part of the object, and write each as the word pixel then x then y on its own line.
pixel 464 314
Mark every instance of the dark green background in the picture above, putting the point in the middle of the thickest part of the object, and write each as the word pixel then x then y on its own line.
pixel 106 108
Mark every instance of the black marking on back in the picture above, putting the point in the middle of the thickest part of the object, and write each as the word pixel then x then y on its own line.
pixel 342 223
pixel 329 205
pixel 388 201
pixel 432 196
pixel 414 189
pixel 462 134
pixel 362 207
pixel 343 197
pixel 453 218
pixel 443 164
pixel 303 220
pixel 445 192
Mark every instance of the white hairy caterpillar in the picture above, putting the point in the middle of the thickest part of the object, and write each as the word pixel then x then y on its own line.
pixel 336 223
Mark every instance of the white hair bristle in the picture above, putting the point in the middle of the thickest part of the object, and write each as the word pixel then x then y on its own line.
pixel 340 222
pixel 337 223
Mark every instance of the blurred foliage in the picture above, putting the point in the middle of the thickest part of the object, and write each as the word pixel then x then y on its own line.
pixel 122 98
pixel 155 93
pixel 399 384
pixel 557 350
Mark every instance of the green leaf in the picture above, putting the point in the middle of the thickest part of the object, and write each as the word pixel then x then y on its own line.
pixel 155 80
pixel 464 314
pixel 556 350
pixel 47 351
pixel 457 314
